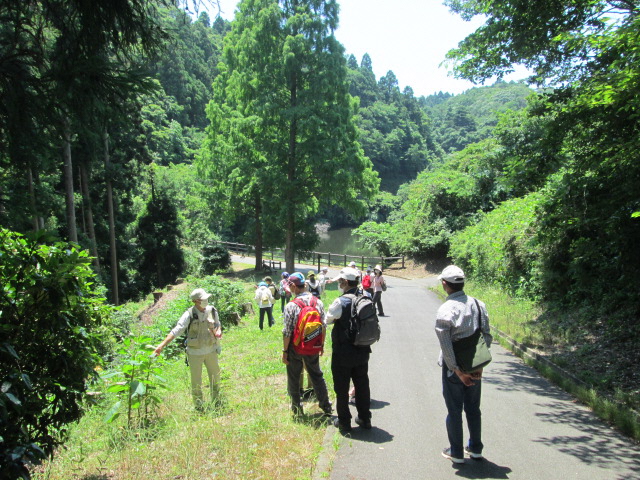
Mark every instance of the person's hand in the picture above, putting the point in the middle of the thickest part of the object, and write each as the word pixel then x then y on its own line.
pixel 477 375
pixel 285 358
pixel 157 351
pixel 218 333
pixel 465 378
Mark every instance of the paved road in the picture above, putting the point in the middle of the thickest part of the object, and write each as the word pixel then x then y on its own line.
pixel 532 430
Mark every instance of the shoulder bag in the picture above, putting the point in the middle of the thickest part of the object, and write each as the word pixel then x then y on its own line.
pixel 472 352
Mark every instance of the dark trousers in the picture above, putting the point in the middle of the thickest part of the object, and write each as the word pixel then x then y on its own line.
pixel 284 299
pixel 377 301
pixel 341 377
pixel 294 369
pixel 458 397
pixel 269 311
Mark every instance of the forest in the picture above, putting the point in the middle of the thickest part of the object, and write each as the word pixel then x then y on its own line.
pixel 136 134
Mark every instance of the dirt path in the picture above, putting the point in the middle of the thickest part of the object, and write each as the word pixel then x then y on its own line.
pixel 146 317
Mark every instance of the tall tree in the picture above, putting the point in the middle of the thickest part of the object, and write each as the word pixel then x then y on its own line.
pixel 282 118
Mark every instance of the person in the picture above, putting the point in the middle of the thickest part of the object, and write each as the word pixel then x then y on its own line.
pixel 204 332
pixel 348 362
pixel 312 284
pixel 285 293
pixel 458 318
pixel 323 276
pixel 296 362
pixel 378 281
pixel 366 283
pixel 265 301
pixel 353 265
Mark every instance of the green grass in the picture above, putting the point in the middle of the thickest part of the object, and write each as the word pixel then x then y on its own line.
pixel 249 434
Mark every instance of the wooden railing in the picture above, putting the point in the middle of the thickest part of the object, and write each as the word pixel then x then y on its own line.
pixel 318 258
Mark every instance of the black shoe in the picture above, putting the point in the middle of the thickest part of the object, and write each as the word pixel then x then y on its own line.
pixel 363 423
pixel 343 428
pixel 327 411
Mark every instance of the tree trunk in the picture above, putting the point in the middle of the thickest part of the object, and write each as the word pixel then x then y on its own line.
pixel 289 253
pixel 112 224
pixel 32 199
pixel 72 231
pixel 259 235
pixel 84 177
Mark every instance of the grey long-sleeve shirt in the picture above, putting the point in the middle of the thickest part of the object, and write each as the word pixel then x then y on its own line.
pixel 457 318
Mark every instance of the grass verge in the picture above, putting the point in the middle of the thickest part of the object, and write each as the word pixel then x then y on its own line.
pixel 248 434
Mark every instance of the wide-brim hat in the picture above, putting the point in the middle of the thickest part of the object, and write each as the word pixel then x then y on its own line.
pixel 377 267
pixel 199 294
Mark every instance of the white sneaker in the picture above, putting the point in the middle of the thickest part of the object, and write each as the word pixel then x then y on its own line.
pixel 475 456
pixel 446 453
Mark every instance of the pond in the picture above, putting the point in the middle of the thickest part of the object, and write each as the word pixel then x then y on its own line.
pixel 342 241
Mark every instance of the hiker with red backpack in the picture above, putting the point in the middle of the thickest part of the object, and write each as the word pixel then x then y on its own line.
pixel 302 344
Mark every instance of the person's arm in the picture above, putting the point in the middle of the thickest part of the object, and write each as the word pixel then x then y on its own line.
pixel 287 331
pixel 164 343
pixel 217 326
pixel 285 349
pixel 335 311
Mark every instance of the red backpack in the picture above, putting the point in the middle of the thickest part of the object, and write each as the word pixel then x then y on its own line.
pixel 308 335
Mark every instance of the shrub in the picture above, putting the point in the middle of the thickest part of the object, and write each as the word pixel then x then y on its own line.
pixel 215 257
pixel 50 317
pixel 500 248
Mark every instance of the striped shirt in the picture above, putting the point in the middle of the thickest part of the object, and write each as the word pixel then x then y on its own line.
pixel 457 318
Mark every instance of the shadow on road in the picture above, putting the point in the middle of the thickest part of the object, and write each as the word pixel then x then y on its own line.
pixel 598 445
pixel 375 435
pixel 378 404
pixel 480 469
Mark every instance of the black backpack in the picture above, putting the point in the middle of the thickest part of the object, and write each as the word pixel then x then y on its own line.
pixel 364 327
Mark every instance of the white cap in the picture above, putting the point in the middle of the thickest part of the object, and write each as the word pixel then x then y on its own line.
pixel 452 274
pixel 352 264
pixel 199 294
pixel 348 273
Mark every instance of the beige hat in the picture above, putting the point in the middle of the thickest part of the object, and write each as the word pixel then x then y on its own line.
pixel 377 267
pixel 452 274
pixel 348 273
pixel 199 294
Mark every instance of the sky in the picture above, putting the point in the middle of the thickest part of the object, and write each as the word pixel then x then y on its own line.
pixel 409 37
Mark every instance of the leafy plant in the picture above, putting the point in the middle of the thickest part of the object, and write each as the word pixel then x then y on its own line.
pixel 50 316
pixel 138 377
pixel 215 257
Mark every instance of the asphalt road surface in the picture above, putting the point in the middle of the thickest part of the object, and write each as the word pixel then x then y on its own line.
pixel 531 429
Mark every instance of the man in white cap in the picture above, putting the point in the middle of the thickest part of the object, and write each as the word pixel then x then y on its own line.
pixel 348 362
pixel 203 343
pixel 457 318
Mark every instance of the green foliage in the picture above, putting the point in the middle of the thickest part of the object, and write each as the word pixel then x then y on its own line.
pixel 215 257
pixel 376 236
pixel 501 247
pixel 50 317
pixel 282 121
pixel 136 379
pixel 395 131
pixel 470 117
pixel 579 148
pixel 158 234
pixel 445 199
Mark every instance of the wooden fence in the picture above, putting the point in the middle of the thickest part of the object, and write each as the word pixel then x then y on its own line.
pixel 318 258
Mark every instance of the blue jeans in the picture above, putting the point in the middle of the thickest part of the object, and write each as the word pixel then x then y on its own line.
pixel 458 397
